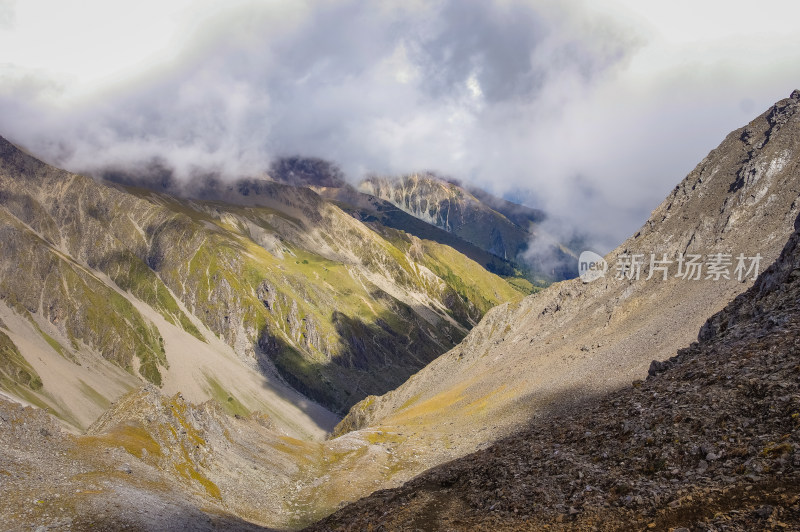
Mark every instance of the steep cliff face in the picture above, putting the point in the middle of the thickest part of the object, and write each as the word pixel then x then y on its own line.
pixel 285 281
pixel 498 227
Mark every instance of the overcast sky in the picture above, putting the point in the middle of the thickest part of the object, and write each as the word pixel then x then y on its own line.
pixel 598 108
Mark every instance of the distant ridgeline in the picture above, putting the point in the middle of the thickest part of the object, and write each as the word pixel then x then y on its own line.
pixel 494 232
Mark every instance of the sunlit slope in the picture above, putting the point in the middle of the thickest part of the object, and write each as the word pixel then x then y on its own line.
pixel 107 285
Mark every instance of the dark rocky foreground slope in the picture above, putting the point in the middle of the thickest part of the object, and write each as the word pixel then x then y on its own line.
pixel 710 441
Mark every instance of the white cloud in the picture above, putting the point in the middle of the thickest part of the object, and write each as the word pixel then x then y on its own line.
pixel 598 107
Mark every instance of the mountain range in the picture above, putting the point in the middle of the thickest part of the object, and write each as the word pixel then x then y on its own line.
pixel 494 232
pixel 124 284
pixel 199 346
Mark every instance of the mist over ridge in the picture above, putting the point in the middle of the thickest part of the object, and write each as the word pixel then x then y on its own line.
pixel 589 108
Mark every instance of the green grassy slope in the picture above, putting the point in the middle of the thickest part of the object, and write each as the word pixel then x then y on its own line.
pixel 340 310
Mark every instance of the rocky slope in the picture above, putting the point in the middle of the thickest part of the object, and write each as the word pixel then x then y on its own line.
pixel 578 340
pixel 56 481
pixel 741 199
pixel 710 441
pixel 104 286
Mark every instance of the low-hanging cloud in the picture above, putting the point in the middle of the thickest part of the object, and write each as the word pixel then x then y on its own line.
pixel 503 94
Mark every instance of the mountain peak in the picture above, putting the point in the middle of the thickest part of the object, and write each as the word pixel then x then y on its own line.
pixel 500 227
pixel 6 147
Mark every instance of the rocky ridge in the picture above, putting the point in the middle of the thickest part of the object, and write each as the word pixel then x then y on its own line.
pixel 498 227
